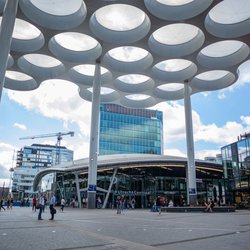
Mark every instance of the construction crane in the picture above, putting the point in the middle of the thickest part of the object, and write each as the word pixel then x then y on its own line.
pixel 58 144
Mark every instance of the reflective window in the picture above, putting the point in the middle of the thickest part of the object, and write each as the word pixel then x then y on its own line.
pixel 124 130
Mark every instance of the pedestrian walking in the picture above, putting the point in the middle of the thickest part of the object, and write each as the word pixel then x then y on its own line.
pixel 40 206
pixel 8 203
pixel 158 204
pixel 118 204
pixel 62 204
pixel 52 205
pixel 11 202
pixel 1 205
pixel 28 202
pixel 34 203
pixel 99 202
pixel 73 202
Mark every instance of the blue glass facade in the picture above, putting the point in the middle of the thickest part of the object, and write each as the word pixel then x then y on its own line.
pixel 236 164
pixel 127 131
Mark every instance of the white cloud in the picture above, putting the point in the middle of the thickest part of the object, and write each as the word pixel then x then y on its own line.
pixel 4 182
pixel 245 120
pixel 224 135
pixel 221 95
pixel 20 126
pixel 174 152
pixel 244 78
pixel 201 154
pixel 174 131
pixel 7 159
pixel 173 121
pixel 60 100
pixel 56 99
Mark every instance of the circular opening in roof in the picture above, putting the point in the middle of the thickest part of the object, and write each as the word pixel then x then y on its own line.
pixel 104 90
pixel 18 76
pixel 137 97
pixel 174 34
pixel 133 79
pixel 175 40
pixel 42 61
pixel 134 83
pixel 174 70
pixel 212 80
pixel 88 69
pixel 230 11
pixel 19 81
pixel 222 48
pixel 212 75
pixel 58 8
pixel 120 17
pixel 24 30
pixel 173 65
pixel 128 53
pixel 174 2
pixel 169 87
pixel 76 41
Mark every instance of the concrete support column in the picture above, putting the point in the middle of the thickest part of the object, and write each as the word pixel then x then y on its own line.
pixel 191 171
pixel 7 27
pixel 93 151
pixel 78 190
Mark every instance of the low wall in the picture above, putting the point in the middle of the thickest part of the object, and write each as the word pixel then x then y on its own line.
pixel 198 209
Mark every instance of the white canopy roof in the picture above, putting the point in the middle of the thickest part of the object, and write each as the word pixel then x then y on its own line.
pixel 148 49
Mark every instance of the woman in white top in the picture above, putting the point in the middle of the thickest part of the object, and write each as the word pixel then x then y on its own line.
pixel 62 204
pixel 170 204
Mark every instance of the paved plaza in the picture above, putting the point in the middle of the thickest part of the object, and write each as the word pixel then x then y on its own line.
pixel 133 229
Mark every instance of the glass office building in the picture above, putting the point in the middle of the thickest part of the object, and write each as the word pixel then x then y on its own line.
pixel 32 159
pixel 236 163
pixel 127 131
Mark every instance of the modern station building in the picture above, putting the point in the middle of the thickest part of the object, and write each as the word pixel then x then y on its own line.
pixel 236 164
pixel 138 176
pixel 131 164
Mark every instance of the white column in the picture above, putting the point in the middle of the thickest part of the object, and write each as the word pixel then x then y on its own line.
pixel 94 131
pixel 7 26
pixel 78 191
pixel 190 173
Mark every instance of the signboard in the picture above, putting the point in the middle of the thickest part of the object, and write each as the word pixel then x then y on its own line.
pixel 192 191
pixel 92 188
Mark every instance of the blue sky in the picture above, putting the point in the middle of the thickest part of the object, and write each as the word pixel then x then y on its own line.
pixel 218 118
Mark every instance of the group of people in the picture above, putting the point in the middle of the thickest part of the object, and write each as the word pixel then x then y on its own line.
pixel 123 203
pixel 40 204
pixel 209 205
pixel 159 203
pixel 9 204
